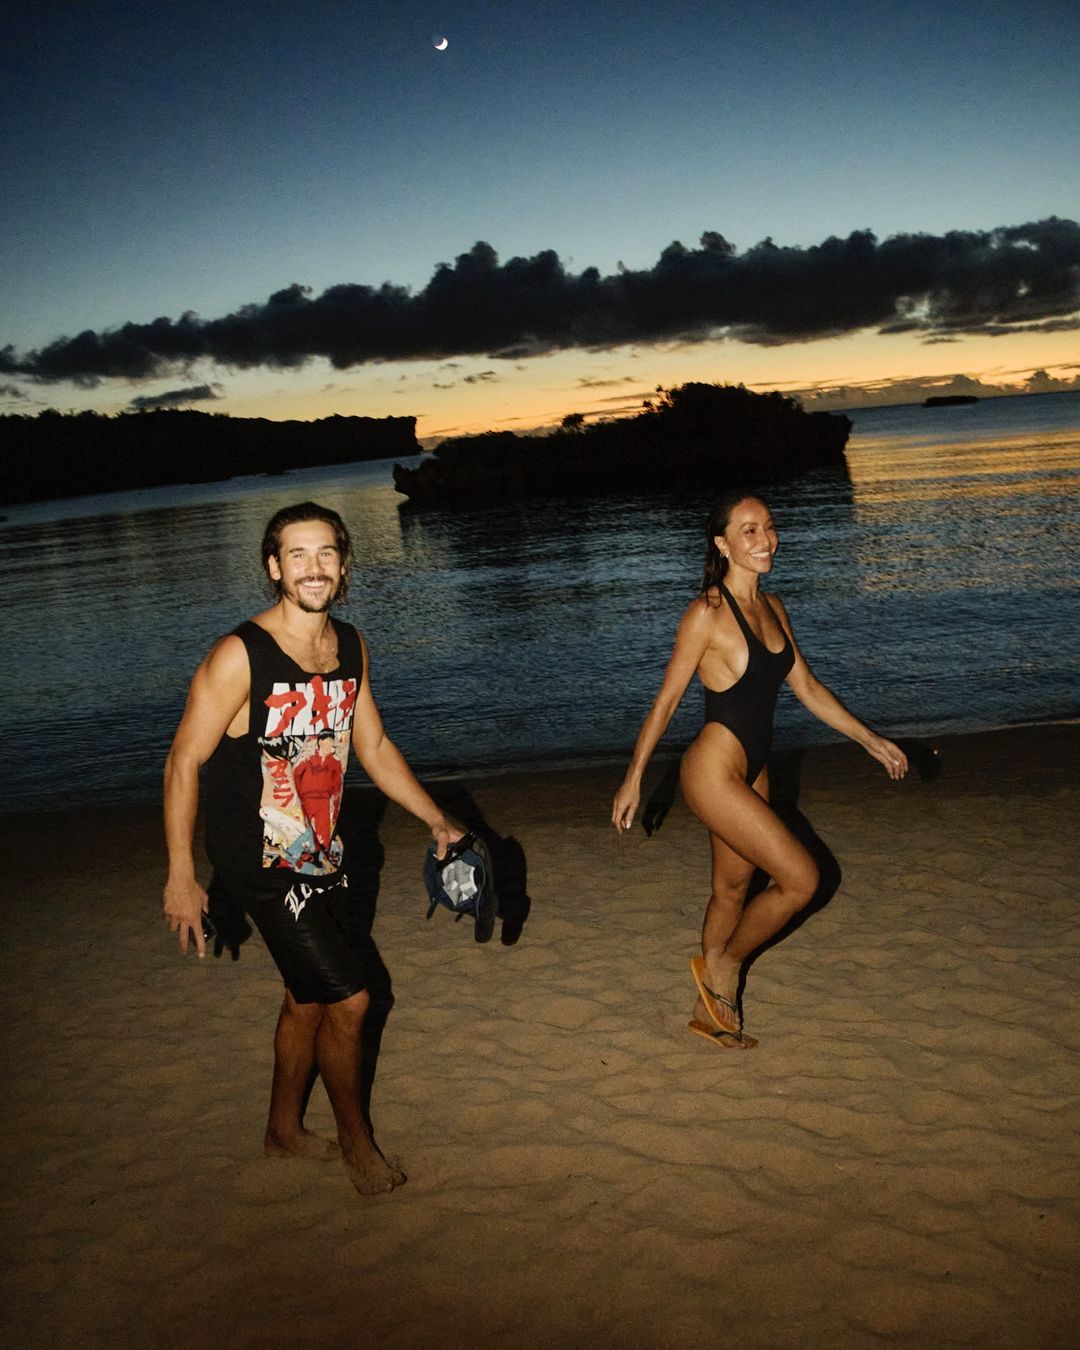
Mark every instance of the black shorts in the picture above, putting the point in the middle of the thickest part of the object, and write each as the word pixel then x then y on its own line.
pixel 319 937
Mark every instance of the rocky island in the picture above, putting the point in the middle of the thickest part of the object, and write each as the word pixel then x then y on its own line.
pixel 68 454
pixel 702 436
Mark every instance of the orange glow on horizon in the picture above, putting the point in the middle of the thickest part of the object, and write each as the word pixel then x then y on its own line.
pixel 473 394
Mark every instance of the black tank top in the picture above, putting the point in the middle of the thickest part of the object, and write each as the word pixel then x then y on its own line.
pixel 747 707
pixel 273 795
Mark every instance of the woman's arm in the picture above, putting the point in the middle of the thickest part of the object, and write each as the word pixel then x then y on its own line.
pixel 827 708
pixel 691 639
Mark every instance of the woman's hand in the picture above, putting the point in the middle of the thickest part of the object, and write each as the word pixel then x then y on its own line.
pixel 625 805
pixel 894 759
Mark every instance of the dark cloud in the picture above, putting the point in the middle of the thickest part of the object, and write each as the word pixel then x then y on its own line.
pixel 1068 325
pixel 12 391
pixel 175 398
pixel 480 377
pixel 639 397
pixel 1020 277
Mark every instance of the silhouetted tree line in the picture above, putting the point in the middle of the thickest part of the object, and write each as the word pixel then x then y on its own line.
pixel 702 436
pixel 63 455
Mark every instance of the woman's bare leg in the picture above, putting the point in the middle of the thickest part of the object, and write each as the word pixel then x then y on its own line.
pixel 731 876
pixel 741 820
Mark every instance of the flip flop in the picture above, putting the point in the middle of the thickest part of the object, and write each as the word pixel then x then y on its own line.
pixel 699 970
pixel 716 1036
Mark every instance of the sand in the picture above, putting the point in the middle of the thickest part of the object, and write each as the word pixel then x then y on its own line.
pixel 896 1164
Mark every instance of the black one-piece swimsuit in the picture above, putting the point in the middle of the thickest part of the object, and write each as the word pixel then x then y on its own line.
pixel 747 708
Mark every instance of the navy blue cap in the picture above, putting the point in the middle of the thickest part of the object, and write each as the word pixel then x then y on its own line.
pixel 463 882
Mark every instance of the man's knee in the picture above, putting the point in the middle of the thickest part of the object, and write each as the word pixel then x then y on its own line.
pixel 308 1013
pixel 348 1011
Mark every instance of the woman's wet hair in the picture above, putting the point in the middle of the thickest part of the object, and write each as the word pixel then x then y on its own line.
pixel 716 564
pixel 300 514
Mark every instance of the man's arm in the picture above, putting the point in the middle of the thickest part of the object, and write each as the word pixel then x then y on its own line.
pixel 385 765
pixel 219 690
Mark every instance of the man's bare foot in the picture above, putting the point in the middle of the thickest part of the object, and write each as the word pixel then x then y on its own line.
pixel 369 1171
pixel 305 1145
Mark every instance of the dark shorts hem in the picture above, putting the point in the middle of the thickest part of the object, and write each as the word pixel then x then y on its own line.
pixel 313 931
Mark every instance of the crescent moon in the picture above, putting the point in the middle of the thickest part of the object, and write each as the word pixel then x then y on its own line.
pixel 442 44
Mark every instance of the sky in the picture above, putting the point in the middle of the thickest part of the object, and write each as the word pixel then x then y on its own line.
pixel 296 210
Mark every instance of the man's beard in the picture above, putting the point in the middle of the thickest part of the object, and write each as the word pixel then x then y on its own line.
pixel 314 606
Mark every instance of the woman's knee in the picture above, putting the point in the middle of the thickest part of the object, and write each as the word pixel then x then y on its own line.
pixel 801 886
pixel 730 887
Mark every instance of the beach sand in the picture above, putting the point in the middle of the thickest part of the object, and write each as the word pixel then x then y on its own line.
pixel 895 1164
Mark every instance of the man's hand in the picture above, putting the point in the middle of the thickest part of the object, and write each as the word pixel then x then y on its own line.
pixel 184 905
pixel 445 833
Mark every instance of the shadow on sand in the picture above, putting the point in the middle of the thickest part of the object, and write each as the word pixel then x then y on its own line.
pixel 785 782
pixel 362 818
pixel 507 856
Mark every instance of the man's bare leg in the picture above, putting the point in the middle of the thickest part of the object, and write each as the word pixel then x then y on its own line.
pixel 337 1053
pixel 294 1068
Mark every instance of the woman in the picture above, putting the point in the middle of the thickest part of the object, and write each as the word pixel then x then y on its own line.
pixel 739 642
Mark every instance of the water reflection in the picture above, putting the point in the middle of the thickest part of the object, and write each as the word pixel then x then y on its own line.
pixel 920 588
pixel 973 509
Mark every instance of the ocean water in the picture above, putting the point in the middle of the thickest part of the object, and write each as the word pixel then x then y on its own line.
pixel 936 591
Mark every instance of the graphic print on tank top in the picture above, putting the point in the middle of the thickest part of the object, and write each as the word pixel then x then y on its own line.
pixel 305 750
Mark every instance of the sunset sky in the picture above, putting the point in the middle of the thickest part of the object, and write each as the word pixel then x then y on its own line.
pixel 200 158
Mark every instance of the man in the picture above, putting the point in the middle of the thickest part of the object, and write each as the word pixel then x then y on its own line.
pixel 267 709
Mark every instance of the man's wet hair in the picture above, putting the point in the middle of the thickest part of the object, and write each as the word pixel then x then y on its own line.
pixel 300 514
